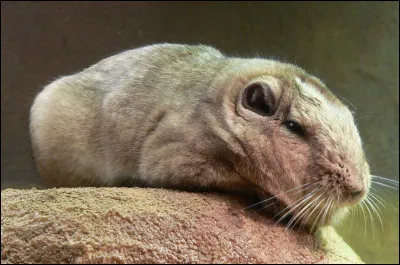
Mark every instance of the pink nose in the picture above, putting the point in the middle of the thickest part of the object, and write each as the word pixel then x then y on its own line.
pixel 356 194
pixel 352 185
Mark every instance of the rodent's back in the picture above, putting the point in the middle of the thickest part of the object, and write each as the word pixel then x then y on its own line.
pixel 78 122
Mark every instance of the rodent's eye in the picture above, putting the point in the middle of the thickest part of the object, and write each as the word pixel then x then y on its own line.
pixel 294 127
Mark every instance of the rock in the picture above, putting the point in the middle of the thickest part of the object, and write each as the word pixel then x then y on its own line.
pixel 142 225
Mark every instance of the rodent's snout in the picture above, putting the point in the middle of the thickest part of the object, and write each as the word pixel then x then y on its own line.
pixel 347 183
pixel 354 190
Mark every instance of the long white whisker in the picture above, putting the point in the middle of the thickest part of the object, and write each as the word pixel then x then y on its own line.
pixel 296 203
pixel 371 216
pixel 279 195
pixel 263 201
pixel 357 213
pixel 327 210
pixel 302 199
pixel 343 98
pixel 365 219
pixel 294 217
pixel 315 207
pixel 308 207
pixel 375 209
pixel 377 198
pixel 321 210
pixel 297 215
pixel 352 216
pixel 388 204
pixel 386 179
pixel 277 201
pixel 394 188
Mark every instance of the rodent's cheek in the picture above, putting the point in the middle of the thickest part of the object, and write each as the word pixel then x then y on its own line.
pixel 290 141
pixel 295 156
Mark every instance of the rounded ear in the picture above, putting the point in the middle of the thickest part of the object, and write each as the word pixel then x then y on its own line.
pixel 259 98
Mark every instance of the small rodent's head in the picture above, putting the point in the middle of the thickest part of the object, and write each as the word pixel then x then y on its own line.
pixel 300 143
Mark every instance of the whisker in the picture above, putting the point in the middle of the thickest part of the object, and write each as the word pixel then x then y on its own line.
pixel 377 198
pixel 352 216
pixel 380 189
pixel 278 195
pixel 366 116
pixel 325 198
pixel 315 207
pixel 308 207
pixel 385 185
pixel 365 219
pixel 357 212
pixel 263 201
pixel 294 217
pixel 327 210
pixel 375 208
pixel 343 98
pixel 386 179
pixel 302 199
pixel 334 204
pixel 297 216
pixel 296 203
pixel 277 201
pixel 264 207
pixel 371 217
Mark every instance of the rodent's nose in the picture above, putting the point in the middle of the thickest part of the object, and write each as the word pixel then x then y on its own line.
pixel 356 194
pixel 354 189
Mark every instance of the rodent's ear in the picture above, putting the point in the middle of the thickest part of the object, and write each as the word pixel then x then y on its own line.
pixel 259 98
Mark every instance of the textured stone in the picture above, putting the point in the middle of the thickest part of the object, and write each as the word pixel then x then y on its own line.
pixel 136 225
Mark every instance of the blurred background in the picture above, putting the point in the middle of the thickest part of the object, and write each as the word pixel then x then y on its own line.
pixel 352 46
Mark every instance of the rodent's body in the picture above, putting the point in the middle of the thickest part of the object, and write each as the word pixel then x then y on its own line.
pixel 106 118
pixel 172 116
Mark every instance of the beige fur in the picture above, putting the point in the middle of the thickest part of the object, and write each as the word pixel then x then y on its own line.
pixel 173 116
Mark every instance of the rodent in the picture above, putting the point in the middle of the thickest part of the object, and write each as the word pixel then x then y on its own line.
pixel 187 116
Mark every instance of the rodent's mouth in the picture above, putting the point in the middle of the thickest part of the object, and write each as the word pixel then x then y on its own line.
pixel 320 207
pixel 325 209
pixel 310 211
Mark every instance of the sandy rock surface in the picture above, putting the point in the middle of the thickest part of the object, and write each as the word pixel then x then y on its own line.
pixel 139 225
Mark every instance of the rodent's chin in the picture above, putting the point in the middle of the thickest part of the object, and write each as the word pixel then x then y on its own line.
pixel 324 217
pixel 310 216
pixel 333 215
pixel 340 215
pixel 336 216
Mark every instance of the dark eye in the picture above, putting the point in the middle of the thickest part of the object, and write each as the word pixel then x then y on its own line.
pixel 294 127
